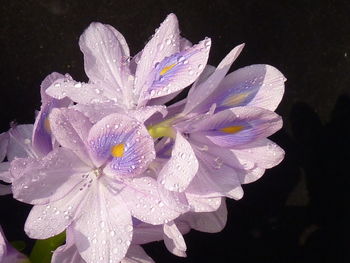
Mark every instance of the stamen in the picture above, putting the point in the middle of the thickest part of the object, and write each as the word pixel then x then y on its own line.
pixel 166 69
pixel 118 150
pixel 232 129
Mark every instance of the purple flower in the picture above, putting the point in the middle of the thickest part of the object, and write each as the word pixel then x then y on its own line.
pixel 165 66
pixel 94 184
pixel 224 123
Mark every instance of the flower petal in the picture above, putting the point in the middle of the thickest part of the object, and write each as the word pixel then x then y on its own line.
pixel 136 148
pixel 70 128
pixel 68 252
pixel 176 72
pixel 45 221
pixel 78 92
pixel 136 254
pixel 41 138
pixel 264 153
pixel 237 126
pixel 164 43
pixel 141 196
pixel 20 142
pixel 106 60
pixel 206 204
pixel 255 85
pixel 48 179
pixel 103 230
pixel 206 88
pixel 209 222
pixel 179 171
pixel 174 240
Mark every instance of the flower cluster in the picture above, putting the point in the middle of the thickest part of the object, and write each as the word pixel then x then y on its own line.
pixel 110 165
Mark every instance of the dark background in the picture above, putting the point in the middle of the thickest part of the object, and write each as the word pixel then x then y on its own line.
pixel 297 211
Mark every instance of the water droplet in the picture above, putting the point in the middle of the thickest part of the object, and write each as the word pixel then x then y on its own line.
pixel 77 85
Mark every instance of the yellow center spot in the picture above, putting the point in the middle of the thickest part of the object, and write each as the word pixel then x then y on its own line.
pixel 232 129
pixel 118 150
pixel 235 99
pixel 166 69
pixel 47 125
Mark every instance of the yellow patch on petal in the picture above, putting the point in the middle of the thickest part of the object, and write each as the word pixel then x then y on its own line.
pixel 47 125
pixel 166 69
pixel 232 129
pixel 118 150
pixel 235 99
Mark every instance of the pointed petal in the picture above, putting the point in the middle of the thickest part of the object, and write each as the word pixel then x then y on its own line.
pixel 174 240
pixel 48 179
pixel 47 82
pixel 164 43
pixel 141 196
pixel 103 231
pixel 106 59
pixel 45 221
pixel 202 92
pixel 179 171
pixel 136 145
pixel 70 128
pixel 136 254
pixel 78 92
pixel 255 85
pixel 237 126
pixel 209 222
pixel 176 72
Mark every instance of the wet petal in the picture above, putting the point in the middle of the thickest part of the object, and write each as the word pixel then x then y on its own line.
pixel 164 43
pixel 237 126
pixel 136 254
pixel 106 60
pixel 77 91
pixel 70 128
pixel 2 245
pixel 45 221
pixel 255 85
pixel 206 204
pixel 103 230
pixel 5 174
pixel 264 153
pixel 176 72
pixel 122 143
pixel 48 179
pixel 178 172
pixel 41 139
pixel 142 198
pixel 209 222
pixel 204 91
pixel 67 253
pixel 174 240
pixel 20 142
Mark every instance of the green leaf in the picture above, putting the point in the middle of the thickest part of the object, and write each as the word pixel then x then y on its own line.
pixel 43 249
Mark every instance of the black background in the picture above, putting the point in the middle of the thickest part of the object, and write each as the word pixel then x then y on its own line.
pixel 297 211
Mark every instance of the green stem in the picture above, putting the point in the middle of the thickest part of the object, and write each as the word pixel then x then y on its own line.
pixel 162 129
pixel 42 250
